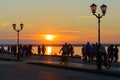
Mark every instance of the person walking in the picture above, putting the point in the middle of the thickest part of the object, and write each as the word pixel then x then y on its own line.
pixel 88 51
pixel 116 50
pixel 65 54
pixel 103 53
pixel 39 50
pixel 71 50
pixel 43 50
pixel 110 52
pixel 84 53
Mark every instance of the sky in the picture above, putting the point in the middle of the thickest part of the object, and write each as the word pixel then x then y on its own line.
pixel 66 20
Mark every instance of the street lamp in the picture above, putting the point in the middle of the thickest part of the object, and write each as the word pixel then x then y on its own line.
pixel 103 10
pixel 18 30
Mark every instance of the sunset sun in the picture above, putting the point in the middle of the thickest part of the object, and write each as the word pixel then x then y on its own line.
pixel 49 37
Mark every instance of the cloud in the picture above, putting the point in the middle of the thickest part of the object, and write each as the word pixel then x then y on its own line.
pixel 81 31
pixel 69 31
pixel 33 25
pixel 4 24
pixel 79 17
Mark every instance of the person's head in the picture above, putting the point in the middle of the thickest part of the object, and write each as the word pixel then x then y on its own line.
pixel 88 43
pixel 115 46
pixel 65 43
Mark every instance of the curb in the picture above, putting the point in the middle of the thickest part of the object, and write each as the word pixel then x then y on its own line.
pixel 10 59
pixel 102 72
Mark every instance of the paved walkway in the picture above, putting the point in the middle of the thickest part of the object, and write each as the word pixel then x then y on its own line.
pixel 79 64
pixel 74 64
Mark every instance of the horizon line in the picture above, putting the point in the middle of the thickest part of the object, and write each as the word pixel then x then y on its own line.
pixel 74 44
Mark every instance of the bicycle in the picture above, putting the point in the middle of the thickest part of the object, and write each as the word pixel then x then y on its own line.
pixel 105 62
pixel 63 60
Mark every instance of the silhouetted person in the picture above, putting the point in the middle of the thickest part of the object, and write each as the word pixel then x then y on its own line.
pixel 116 50
pixel 88 51
pixel 14 50
pixel 103 53
pixel 84 53
pixel 110 52
pixel 43 49
pixel 39 50
pixel 64 50
pixel 65 53
pixel 94 51
pixel 21 51
pixel 8 49
pixel 71 50
pixel 2 50
pixel 30 50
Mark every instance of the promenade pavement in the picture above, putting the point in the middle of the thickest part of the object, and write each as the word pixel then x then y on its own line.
pixel 74 64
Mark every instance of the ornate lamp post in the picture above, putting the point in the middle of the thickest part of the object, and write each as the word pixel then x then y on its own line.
pixel 18 30
pixel 103 9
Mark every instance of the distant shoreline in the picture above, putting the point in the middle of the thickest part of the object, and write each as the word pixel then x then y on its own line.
pixel 52 44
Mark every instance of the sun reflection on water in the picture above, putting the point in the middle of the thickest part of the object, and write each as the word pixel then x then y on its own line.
pixel 49 50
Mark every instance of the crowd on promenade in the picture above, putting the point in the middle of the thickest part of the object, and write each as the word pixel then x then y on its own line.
pixel 24 50
pixel 92 52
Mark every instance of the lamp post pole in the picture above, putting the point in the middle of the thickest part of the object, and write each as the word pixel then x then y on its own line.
pixel 18 56
pixel 99 17
pixel 103 9
pixel 18 30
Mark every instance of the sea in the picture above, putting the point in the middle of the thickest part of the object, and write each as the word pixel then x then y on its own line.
pixel 54 50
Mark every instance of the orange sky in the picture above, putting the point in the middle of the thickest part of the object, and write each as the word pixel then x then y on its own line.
pixel 69 20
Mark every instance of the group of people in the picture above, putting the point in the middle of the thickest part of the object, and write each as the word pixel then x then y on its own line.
pixel 67 50
pixel 96 51
pixel 41 50
pixel 24 50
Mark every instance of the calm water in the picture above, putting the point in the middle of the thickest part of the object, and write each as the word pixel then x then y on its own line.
pixel 55 50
